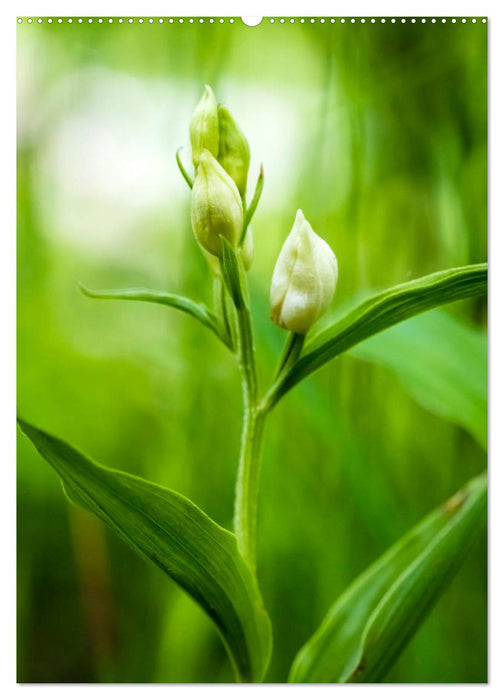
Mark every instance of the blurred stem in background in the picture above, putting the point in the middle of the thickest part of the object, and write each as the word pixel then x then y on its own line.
pixel 95 586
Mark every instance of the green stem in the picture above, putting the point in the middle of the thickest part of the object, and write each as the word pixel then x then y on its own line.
pixel 246 357
pixel 247 484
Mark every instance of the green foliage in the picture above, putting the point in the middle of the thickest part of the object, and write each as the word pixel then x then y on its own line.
pixel 188 306
pixel 375 617
pixel 182 169
pixel 232 275
pixel 430 354
pixel 250 211
pixel 178 537
pixel 380 312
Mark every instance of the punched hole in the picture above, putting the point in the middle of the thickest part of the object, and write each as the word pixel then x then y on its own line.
pixel 251 21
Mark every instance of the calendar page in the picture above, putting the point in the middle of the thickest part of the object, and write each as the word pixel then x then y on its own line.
pixel 252 349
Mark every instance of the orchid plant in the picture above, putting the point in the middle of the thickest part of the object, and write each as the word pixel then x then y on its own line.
pixel 370 623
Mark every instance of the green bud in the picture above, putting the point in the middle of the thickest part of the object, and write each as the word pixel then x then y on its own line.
pixel 204 126
pixel 216 207
pixel 234 152
pixel 304 279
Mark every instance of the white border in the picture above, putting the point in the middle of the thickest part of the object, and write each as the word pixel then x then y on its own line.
pixel 274 8
pixel 7 279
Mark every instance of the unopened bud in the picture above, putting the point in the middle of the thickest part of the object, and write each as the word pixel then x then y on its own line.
pixel 234 151
pixel 304 279
pixel 204 127
pixel 216 208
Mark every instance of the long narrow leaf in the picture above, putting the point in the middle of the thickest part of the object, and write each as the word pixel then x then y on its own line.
pixel 380 312
pixel 250 211
pixel 180 538
pixel 176 301
pixel 232 274
pixel 372 621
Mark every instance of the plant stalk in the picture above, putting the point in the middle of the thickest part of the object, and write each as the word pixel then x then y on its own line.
pixel 247 484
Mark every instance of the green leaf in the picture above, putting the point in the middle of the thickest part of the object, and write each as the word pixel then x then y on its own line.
pixel 369 625
pixel 180 538
pixel 250 211
pixel 198 311
pixel 442 363
pixel 183 171
pixel 232 275
pixel 380 312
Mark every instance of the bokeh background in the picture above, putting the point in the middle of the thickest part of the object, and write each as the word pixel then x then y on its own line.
pixel 379 133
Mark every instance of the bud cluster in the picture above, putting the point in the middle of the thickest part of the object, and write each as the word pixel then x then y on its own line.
pixel 221 158
pixel 306 272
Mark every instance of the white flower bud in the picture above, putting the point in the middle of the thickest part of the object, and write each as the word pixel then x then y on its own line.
pixel 204 126
pixel 304 279
pixel 216 208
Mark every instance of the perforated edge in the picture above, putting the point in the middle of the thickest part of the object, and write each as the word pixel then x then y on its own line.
pixel 238 20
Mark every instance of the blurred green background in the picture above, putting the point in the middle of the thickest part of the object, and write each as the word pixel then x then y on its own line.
pixel 378 132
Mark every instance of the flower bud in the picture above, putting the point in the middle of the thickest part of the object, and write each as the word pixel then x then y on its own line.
pixel 216 208
pixel 204 126
pixel 234 152
pixel 304 279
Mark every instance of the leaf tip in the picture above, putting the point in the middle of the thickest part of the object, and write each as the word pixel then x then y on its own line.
pixel 26 428
pixel 85 290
